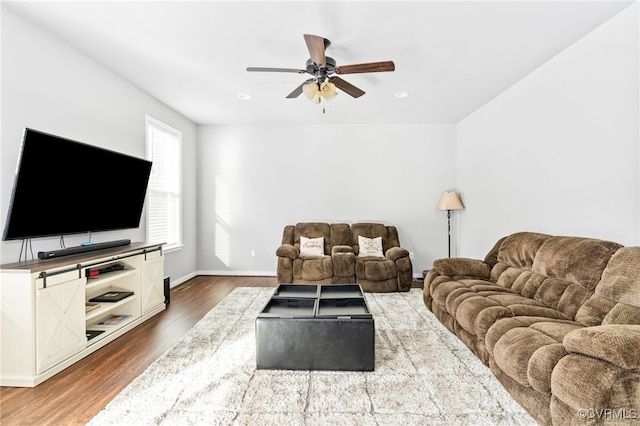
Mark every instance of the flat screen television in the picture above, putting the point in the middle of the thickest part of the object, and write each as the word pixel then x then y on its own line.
pixel 67 187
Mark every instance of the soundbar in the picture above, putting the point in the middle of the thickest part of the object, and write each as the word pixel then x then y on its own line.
pixel 81 249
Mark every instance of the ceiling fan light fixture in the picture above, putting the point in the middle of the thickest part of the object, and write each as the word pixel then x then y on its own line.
pixel 315 92
pixel 328 90
pixel 310 90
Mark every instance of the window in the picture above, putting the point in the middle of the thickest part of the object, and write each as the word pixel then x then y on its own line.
pixel 164 213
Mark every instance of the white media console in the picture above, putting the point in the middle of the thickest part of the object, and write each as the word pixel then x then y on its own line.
pixel 47 321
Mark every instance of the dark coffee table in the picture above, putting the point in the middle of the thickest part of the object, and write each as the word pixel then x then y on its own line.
pixel 315 327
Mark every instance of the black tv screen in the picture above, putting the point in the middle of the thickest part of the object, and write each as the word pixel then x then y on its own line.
pixel 66 187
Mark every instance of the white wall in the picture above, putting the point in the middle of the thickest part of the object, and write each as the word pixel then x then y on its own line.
pixel 254 180
pixel 559 151
pixel 49 86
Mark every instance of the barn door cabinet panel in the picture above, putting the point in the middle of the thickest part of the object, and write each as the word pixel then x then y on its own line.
pixel 152 281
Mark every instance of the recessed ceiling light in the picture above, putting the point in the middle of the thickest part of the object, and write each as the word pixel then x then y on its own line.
pixel 244 96
pixel 401 95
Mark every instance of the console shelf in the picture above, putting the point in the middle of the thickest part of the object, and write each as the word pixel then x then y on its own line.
pixel 107 307
pixel 111 276
pixel 44 324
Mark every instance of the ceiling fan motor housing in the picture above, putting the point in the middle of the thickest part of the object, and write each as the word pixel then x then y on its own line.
pixel 321 72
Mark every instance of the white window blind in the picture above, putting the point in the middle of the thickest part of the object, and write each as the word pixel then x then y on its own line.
pixel 164 213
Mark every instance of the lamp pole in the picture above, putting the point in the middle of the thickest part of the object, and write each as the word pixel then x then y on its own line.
pixel 449 229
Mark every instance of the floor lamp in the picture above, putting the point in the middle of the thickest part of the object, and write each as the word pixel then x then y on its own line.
pixel 449 201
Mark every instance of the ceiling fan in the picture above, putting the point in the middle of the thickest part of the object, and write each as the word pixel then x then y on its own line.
pixel 324 69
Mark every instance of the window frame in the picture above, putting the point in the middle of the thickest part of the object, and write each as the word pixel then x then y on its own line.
pixel 159 125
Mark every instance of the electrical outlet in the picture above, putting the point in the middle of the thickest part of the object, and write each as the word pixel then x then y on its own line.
pixel 253 253
pixel 411 255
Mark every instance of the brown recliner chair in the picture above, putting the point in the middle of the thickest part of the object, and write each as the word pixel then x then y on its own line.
pixel 392 271
pixel 335 265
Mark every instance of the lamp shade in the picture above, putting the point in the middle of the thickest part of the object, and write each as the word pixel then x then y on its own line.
pixel 450 201
pixel 310 90
pixel 328 90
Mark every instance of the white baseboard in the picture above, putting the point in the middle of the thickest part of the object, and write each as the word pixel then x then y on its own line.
pixel 239 273
pixel 181 280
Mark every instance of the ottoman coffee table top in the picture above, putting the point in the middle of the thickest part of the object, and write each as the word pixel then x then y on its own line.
pixel 317 301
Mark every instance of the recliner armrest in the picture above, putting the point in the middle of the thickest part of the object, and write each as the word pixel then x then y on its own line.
pixel 341 249
pixel 287 250
pixel 344 263
pixel 617 344
pixel 460 266
pixel 395 253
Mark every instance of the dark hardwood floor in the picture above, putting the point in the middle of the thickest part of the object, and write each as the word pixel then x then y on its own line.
pixel 75 395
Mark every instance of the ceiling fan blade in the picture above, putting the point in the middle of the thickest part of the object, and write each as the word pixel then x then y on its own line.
pixel 262 69
pixel 298 90
pixel 316 45
pixel 347 87
pixel 369 67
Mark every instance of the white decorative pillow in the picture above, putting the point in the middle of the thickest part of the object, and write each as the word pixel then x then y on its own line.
pixel 370 246
pixel 312 246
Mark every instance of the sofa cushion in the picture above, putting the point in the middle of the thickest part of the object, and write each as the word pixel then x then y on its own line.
pixel 577 260
pixel 313 268
pixel 526 282
pixel 573 267
pixel 616 299
pixel 375 269
pixel 560 272
pixel 519 250
pixel 622 313
pixel 594 310
pixel 621 279
pixel 621 283
pixel 503 325
pixel 616 344
pixel 477 314
pixel 444 291
pixel 528 354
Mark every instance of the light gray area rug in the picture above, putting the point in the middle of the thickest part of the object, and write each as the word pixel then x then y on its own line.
pixel 423 376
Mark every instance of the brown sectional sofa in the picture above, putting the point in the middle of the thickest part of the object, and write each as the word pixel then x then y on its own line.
pixel 557 319
pixel 340 262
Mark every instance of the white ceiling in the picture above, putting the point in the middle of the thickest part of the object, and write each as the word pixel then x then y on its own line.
pixel 451 56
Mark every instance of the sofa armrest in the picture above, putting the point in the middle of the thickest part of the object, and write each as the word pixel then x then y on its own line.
pixel 341 249
pixel 288 251
pixel 460 266
pixel 395 253
pixel 617 344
